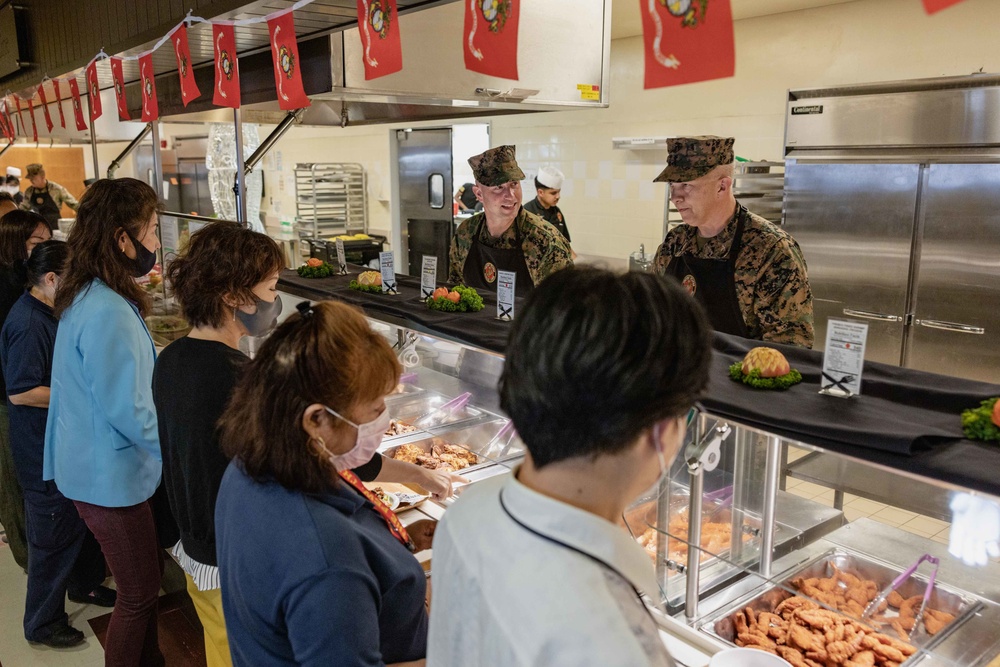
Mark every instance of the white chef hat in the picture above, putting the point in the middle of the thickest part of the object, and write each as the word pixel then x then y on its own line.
pixel 13 171
pixel 550 177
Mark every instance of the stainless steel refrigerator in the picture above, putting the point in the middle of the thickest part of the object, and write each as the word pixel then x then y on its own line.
pixel 893 192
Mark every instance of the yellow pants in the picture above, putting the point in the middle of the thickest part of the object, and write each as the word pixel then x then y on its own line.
pixel 208 604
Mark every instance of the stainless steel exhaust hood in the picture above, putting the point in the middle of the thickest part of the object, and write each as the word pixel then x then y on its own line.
pixel 563 63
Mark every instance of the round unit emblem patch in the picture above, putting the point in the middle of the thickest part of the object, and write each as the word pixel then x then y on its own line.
pixel 490 273
pixel 690 284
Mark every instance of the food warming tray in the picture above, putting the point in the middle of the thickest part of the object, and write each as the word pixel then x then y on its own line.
pixel 944 598
pixel 408 408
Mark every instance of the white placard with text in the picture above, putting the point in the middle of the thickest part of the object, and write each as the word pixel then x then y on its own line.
pixel 170 239
pixel 341 258
pixel 506 285
pixel 428 276
pixel 843 358
pixel 385 263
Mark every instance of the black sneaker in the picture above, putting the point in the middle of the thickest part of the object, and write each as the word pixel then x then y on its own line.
pixel 102 596
pixel 62 637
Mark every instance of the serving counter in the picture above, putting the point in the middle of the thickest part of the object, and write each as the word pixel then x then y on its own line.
pixel 757 546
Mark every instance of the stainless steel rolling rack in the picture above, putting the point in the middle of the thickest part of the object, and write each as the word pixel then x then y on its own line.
pixel 331 198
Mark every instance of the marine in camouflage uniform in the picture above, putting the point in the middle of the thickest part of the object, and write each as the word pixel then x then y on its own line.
pixel 48 199
pixel 536 243
pixel 768 270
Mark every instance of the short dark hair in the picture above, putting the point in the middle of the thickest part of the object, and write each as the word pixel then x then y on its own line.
pixel 16 228
pixel 13 180
pixel 108 207
pixel 47 257
pixel 329 355
pixel 224 259
pixel 595 358
pixel 6 196
pixel 539 186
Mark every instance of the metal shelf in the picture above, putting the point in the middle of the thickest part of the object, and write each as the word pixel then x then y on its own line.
pixel 331 198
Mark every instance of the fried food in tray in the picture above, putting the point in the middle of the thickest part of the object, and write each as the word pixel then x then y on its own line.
pixel 436 454
pixel 716 538
pixel 397 427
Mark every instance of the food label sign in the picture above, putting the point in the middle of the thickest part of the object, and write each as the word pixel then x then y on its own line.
pixel 341 258
pixel 844 358
pixel 385 262
pixel 428 276
pixel 505 295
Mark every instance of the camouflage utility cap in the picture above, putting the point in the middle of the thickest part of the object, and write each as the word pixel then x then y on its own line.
pixel 689 158
pixel 33 169
pixel 496 166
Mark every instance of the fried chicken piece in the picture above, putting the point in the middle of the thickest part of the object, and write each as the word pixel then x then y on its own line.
pixel 861 659
pixel 853 608
pixel 789 606
pixel 900 630
pixel 793 656
pixel 843 649
pixel 771 625
pixel 818 618
pixel 935 621
pixel 883 651
pixel 755 640
pixel 442 449
pixel 408 453
pixel 740 621
pixel 834 633
pixel 909 606
pixel 456 462
pixel 894 599
pixel 751 616
pixel 804 639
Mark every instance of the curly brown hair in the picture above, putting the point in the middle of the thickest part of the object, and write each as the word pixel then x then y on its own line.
pixel 107 208
pixel 221 263
pixel 330 356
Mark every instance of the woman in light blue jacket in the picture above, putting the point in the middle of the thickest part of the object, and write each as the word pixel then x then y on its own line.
pixel 101 441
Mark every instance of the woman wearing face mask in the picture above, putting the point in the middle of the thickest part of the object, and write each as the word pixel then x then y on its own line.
pixel 598 385
pixel 20 232
pixel 101 442
pixel 63 555
pixel 315 569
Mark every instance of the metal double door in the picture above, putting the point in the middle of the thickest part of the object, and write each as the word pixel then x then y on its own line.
pixel 913 249
pixel 425 197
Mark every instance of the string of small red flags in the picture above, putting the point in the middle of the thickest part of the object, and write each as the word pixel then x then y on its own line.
pixel 934 6
pixel 687 41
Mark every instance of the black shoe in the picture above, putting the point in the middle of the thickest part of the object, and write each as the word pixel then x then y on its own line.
pixel 62 637
pixel 102 596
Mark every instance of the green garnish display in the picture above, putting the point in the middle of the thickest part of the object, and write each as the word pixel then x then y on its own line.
pixel 754 379
pixel 373 289
pixel 469 301
pixel 977 423
pixel 324 270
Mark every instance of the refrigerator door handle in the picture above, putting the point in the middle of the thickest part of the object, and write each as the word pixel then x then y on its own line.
pixel 868 315
pixel 951 326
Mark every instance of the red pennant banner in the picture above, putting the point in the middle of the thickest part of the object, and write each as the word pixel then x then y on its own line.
pixel 7 119
pixel 34 127
pixel 74 91
pixel 8 131
pixel 94 92
pixel 45 107
pixel 62 116
pixel 687 41
pixel 189 89
pixel 227 70
pixel 287 68
pixel 150 105
pixel 20 115
pixel 491 37
pixel 379 30
pixel 119 77
pixel 934 6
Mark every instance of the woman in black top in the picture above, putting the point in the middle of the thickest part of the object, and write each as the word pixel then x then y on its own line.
pixel 225 283
pixel 20 232
pixel 63 554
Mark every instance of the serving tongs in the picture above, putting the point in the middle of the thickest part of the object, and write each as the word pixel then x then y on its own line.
pixel 504 439
pixel 899 581
pixel 455 404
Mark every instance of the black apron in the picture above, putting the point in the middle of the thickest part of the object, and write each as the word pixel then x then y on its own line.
pixel 713 283
pixel 483 263
pixel 43 204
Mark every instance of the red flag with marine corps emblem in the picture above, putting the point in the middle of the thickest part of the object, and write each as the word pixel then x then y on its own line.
pixel 94 91
pixel 62 116
pixel 934 6
pixel 74 91
pixel 287 68
pixel 687 41
pixel 491 37
pixel 227 70
pixel 189 88
pixel 34 127
pixel 379 31
pixel 150 105
pixel 116 74
pixel 45 107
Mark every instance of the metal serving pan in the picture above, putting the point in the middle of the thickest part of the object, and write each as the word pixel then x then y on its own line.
pixel 427 443
pixel 408 408
pixel 944 598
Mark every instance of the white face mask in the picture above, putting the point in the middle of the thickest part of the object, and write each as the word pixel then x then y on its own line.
pixel 368 439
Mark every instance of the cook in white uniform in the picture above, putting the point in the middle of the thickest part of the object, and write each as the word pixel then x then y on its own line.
pixel 534 567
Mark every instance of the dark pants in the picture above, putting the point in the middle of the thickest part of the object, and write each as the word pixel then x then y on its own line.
pixel 127 536
pixel 11 498
pixel 63 556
